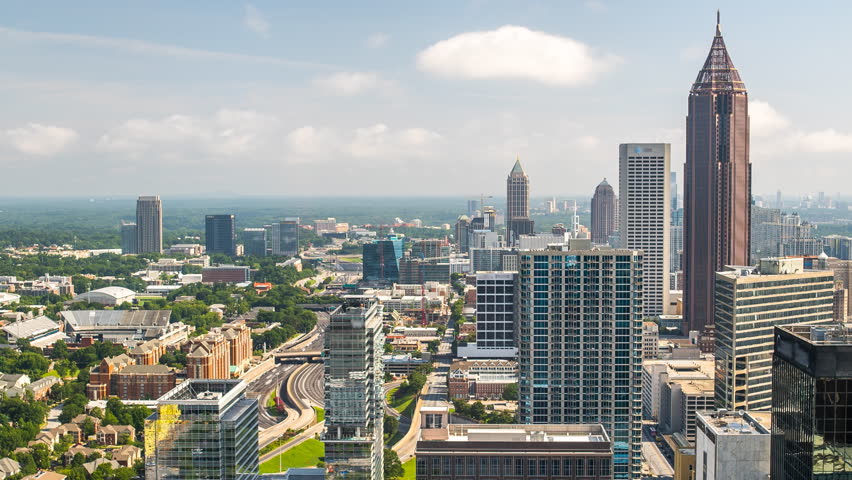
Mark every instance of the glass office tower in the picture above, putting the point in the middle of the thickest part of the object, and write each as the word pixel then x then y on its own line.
pixel 381 259
pixel 220 234
pixel 203 429
pixel 812 403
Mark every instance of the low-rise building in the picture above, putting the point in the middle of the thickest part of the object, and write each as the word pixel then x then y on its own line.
pixel 148 353
pixel 109 296
pixel 402 364
pixel 481 379
pixel 514 451
pixel 143 382
pixel 650 340
pixel 226 274
pixel 9 467
pixel 732 444
pixel 115 434
pixel 127 455
pixel 680 400
pixel 655 373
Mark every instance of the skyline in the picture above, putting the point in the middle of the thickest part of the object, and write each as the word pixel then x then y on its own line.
pixel 139 105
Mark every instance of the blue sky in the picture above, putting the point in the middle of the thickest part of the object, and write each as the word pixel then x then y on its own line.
pixel 374 98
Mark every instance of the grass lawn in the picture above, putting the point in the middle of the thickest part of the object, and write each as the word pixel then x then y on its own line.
pixel 403 404
pixel 410 470
pixel 270 401
pixel 305 454
pixel 351 259
pixel 320 414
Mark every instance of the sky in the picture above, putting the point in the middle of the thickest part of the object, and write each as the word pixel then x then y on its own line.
pixel 401 98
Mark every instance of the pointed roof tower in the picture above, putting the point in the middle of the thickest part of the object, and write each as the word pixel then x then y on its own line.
pixel 517 169
pixel 718 73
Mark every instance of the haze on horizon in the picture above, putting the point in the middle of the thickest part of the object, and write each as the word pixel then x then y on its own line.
pixel 388 99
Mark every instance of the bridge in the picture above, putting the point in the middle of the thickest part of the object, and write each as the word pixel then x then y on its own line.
pixel 313 356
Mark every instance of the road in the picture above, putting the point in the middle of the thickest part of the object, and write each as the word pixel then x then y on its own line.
pixel 308 385
pixel 653 457
pixel 264 386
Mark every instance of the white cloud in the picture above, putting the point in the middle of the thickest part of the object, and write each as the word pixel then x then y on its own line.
pixel 765 120
pixel 596 5
pixel 228 133
pixel 40 140
pixel 148 48
pixel 254 20
pixel 516 52
pixel 822 141
pixel 374 142
pixel 350 83
pixel 587 142
pixel 377 40
pixel 311 141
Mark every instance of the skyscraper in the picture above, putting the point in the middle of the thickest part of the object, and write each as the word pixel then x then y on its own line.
pixel 289 236
pixel 673 189
pixel 517 203
pixel 811 404
pixel 254 242
pixel 495 317
pixel 580 343
pixel 128 238
pixel 203 429
pixel 749 303
pixel 149 225
pixel 354 392
pixel 717 180
pixel 604 221
pixel 645 215
pixel 381 259
pixel 220 234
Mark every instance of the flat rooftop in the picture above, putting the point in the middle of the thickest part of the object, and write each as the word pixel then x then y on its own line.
pixel 740 422
pixel 203 391
pixel 526 433
pixel 822 335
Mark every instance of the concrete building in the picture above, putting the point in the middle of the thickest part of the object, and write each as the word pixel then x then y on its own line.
pixel 540 452
pixel 481 379
pixel 580 352
pixel 717 181
pixel 495 317
pixel 40 332
pixel 149 225
pixel 203 429
pixel 733 445
pixel 680 400
pixel 517 201
pixel 128 238
pixel 604 220
pixel 644 215
pixel 124 326
pixel 749 303
pixel 838 246
pixel 254 242
pixel 650 341
pixel 414 270
pixel 354 392
pixel 220 234
pixel 491 259
pixel 226 274
pixel 462 233
pixel 430 249
pixel 655 374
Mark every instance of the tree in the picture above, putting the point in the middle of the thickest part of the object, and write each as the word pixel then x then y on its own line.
pixel 391 425
pixel 393 467
pixel 88 427
pixel 510 392
pixel 41 455
pixel 60 350
pixel 477 410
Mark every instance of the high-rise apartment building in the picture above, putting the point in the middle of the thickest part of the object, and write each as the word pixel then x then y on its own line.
pixel 517 201
pixel 220 234
pixel 354 392
pixel 749 303
pixel 149 225
pixel 604 220
pixel 717 181
pixel 811 405
pixel 675 248
pixel 254 242
pixel 462 233
pixel 580 343
pixel 203 429
pixel 495 317
pixel 128 238
pixel 381 259
pixel 644 210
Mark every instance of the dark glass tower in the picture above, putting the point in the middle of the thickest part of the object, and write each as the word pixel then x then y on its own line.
pixel 220 234
pixel 149 225
pixel 717 180
pixel 603 213
pixel 381 260
pixel 812 403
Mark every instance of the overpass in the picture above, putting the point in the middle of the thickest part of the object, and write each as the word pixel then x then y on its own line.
pixel 314 356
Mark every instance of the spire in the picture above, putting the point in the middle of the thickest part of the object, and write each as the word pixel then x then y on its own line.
pixel 718 73
pixel 718 24
pixel 517 169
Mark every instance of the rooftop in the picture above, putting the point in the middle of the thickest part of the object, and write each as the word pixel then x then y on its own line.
pixel 740 422
pixel 78 319
pixel 31 328
pixel 114 292
pixel 821 335
pixel 512 433
pixel 203 391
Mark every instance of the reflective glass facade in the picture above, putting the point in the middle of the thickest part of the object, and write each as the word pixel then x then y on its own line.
pixel 203 429
pixel 812 404
pixel 381 260
pixel 580 344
